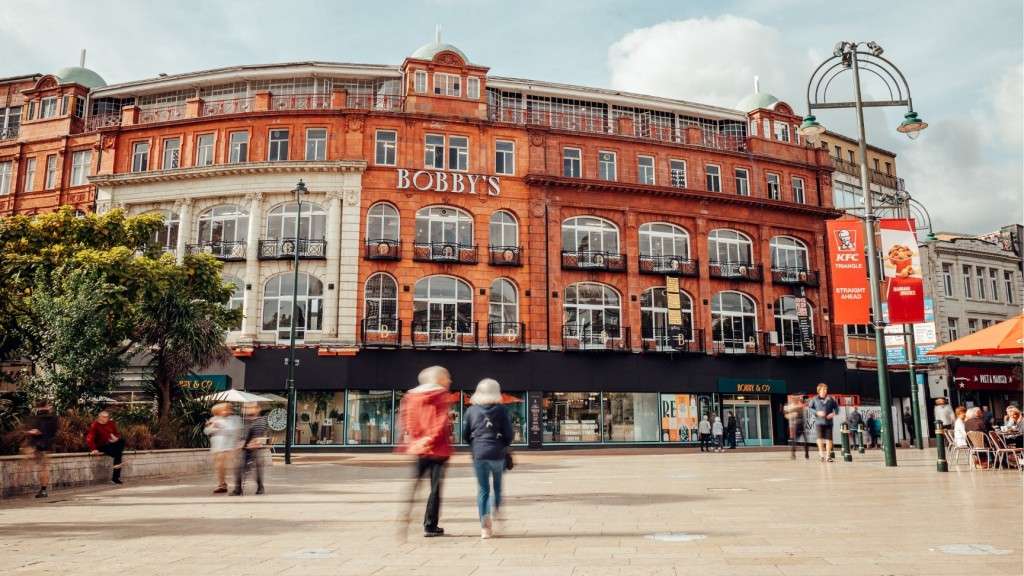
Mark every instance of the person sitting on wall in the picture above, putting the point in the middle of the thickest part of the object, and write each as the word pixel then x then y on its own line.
pixel 103 437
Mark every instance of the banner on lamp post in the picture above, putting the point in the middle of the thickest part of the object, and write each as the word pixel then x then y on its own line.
pixel 850 297
pixel 902 266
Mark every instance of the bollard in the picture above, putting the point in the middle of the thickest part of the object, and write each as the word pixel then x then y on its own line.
pixel 860 438
pixel 940 446
pixel 844 432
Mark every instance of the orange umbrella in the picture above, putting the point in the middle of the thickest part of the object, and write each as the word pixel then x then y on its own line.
pixel 1004 338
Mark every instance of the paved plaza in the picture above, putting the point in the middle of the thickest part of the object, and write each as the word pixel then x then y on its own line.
pixel 574 513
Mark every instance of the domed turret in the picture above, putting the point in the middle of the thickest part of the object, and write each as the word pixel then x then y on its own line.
pixel 431 49
pixel 80 75
pixel 757 99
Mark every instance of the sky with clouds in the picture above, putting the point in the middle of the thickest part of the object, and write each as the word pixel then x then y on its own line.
pixel 963 60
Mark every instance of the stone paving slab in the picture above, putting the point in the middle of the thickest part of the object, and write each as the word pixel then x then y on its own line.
pixel 573 513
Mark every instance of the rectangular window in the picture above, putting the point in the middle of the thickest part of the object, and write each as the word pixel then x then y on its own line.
pixel 30 174
pixel 386 149
pixel 1008 286
pixel 458 153
pixel 953 324
pixel 972 325
pixel 79 107
pixel 742 182
pixel 767 125
pixel 571 162
pixel 204 150
pixel 839 152
pixel 80 162
pixel 947 279
pixel 782 131
pixel 606 166
pixel 473 88
pixel 713 178
pixel 966 274
pixel 849 154
pixel 277 151
pixel 420 82
pixel 447 84
pixel 504 157
pixel 433 152
pixel 239 147
pixel 798 191
pixel 48 107
pixel 773 187
pixel 888 169
pixel 316 144
pixel 30 113
pixel 986 324
pixel 64 102
pixel 140 156
pixel 172 154
pixel 993 276
pixel 51 172
pixel 645 170
pixel 677 171
pixel 6 169
pixel 979 275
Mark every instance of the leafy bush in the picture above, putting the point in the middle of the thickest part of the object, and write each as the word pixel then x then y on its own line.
pixel 139 437
pixel 72 427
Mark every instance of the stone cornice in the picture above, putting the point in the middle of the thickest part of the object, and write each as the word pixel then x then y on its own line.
pixel 221 170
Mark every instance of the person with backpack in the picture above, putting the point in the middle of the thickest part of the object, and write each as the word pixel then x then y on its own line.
pixel 704 434
pixel 487 429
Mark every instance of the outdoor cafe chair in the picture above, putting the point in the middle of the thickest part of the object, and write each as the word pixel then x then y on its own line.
pixel 953 447
pixel 1004 452
pixel 979 444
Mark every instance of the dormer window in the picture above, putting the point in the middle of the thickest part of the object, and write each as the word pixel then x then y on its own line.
pixel 420 82
pixel 473 88
pixel 447 84
pixel 782 131
pixel 48 107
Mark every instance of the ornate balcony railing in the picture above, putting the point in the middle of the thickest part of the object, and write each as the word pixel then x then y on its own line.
pixel 307 101
pixel 876 177
pixel 444 252
pixel 757 344
pixel 592 260
pixel 222 107
pixel 284 248
pixel 229 251
pixel 167 113
pixel 816 348
pixel 378 102
pixel 668 266
pixel 9 133
pixel 382 250
pixel 577 338
pixel 381 332
pixel 459 336
pixel 505 255
pixel 687 341
pixel 97 121
pixel 506 335
pixel 735 270
pixel 795 276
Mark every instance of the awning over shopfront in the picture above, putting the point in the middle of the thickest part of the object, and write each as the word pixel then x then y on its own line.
pixel 992 377
pixel 1005 338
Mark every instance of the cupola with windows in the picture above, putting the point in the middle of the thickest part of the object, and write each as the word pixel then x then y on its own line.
pixel 440 79
pixel 769 117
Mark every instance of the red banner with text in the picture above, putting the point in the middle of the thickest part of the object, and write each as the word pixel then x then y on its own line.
pixel 902 266
pixel 851 301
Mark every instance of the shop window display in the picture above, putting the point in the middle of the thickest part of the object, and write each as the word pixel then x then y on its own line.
pixel 369 417
pixel 630 417
pixel 680 415
pixel 320 418
pixel 572 417
pixel 458 401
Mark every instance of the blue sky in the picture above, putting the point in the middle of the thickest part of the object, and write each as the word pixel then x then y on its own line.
pixel 963 60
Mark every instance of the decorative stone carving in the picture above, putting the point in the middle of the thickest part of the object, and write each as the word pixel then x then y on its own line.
pixel 355 124
pixel 449 59
pixel 351 198
pixel 335 195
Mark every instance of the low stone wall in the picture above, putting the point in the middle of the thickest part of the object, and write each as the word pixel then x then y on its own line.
pixel 17 474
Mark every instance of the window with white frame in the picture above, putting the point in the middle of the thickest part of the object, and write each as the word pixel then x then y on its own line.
pixel 504 157
pixel 64 102
pixel 444 225
pixel 677 172
pixel 80 162
pixel 308 305
pixel 966 277
pixel 6 176
pixel 172 154
pixel 729 248
pixel 238 147
pixel 572 162
pixel 380 303
pixel 312 221
pixel 419 82
pixel 458 153
pixel 782 131
pixel 503 306
pixel 986 324
pixel 1008 285
pixel 645 170
pixel 953 326
pixel 223 230
pixel 48 107
pixel 979 275
pixel 733 321
pixel 386 149
pixel 140 156
pixel 442 307
pixel 972 325
pixel 473 88
pixel 606 166
pixel 30 174
pixel 787 327
pixel 204 150
pixel 382 223
pixel 766 125
pixel 742 182
pixel 433 151
pixel 447 84
pixel 592 313
pixel 798 190
pixel 788 254
pixel 654 316
pixel 277 148
pixel 947 279
pixel 993 276
pixel 713 178
pixel 51 172
pixel 773 187
pixel 167 236
pixel 661 239
pixel 504 231
pixel 316 144
pixel 589 234
pixel 237 299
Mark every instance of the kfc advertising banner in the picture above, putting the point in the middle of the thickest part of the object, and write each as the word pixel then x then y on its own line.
pixel 902 266
pixel 851 301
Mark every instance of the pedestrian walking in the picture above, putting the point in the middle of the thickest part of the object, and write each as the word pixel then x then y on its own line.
pixel 222 429
pixel 944 413
pixel 704 434
pixel 908 425
pixel 824 408
pixel 794 412
pixel 488 431
pixel 40 431
pixel 730 430
pixel 717 430
pixel 427 428
pixel 251 441
pixel 853 422
pixel 104 438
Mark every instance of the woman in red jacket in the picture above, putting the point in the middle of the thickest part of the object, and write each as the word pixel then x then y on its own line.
pixel 104 437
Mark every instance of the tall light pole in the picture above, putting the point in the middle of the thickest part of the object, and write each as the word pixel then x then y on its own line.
pixel 289 436
pixel 848 56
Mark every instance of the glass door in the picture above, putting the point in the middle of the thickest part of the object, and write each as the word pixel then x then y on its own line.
pixel 753 420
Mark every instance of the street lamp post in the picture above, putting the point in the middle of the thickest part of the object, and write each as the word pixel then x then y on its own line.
pixel 289 437
pixel 848 56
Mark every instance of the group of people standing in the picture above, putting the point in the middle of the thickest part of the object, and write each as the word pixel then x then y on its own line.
pixel 714 436
pixel 237 443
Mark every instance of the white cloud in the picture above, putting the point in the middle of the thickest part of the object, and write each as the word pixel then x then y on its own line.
pixel 1008 106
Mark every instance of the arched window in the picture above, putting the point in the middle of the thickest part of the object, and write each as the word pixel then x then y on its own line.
pixel 237 297
pixel 380 303
pixel 787 325
pixel 504 232
pixel 312 224
pixel 589 234
pixel 592 313
pixel 729 247
pixel 504 305
pixel 661 239
pixel 442 307
pixel 277 305
pixel 167 236
pixel 382 222
pixel 733 322
pixel 654 316
pixel 444 225
pixel 788 254
pixel 223 230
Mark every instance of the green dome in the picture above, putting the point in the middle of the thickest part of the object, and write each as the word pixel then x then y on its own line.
pixel 428 51
pixel 756 100
pixel 78 75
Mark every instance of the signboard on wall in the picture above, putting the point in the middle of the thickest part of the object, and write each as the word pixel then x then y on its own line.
pixel 850 298
pixel 803 315
pixel 204 382
pixel 676 336
pixel 751 386
pixel 902 266
pixel 925 338
pixel 679 418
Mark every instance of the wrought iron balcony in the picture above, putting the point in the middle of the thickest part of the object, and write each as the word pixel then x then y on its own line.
pixel 381 332
pixel 228 251
pixel 576 338
pixel 592 260
pixel 506 335
pixel 668 266
pixel 383 250
pixel 757 344
pixel 505 255
pixel 816 348
pixel 9 133
pixel 460 336
pixel 735 270
pixel 687 341
pixel 305 101
pixel 166 113
pixel 97 121
pixel 285 248
pixel 228 106
pixel 378 102
pixel 795 276
pixel 444 252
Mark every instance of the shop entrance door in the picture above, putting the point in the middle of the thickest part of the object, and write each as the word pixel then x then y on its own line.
pixel 753 418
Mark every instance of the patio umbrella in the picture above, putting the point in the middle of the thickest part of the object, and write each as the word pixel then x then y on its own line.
pixel 275 398
pixel 236 396
pixel 1007 337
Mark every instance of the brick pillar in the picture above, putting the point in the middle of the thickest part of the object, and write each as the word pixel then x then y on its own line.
pixel 339 99
pixel 624 126
pixel 261 101
pixel 693 135
pixel 702 311
pixel 763 256
pixel 129 115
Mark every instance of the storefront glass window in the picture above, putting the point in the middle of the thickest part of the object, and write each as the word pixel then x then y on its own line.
pixel 320 417
pixel 276 415
pixel 680 415
pixel 572 417
pixel 631 417
pixel 369 417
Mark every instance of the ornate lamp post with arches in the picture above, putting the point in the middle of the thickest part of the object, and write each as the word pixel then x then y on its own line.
pixel 856 57
pixel 289 437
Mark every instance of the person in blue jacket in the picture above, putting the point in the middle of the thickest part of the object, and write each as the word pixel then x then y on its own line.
pixel 487 429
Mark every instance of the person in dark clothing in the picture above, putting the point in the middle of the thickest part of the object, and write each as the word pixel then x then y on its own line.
pixel 104 438
pixel 488 431
pixel 251 442
pixel 872 427
pixel 39 434
pixel 794 412
pixel 824 408
pixel 730 430
pixel 908 425
pixel 854 421
pixel 427 427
